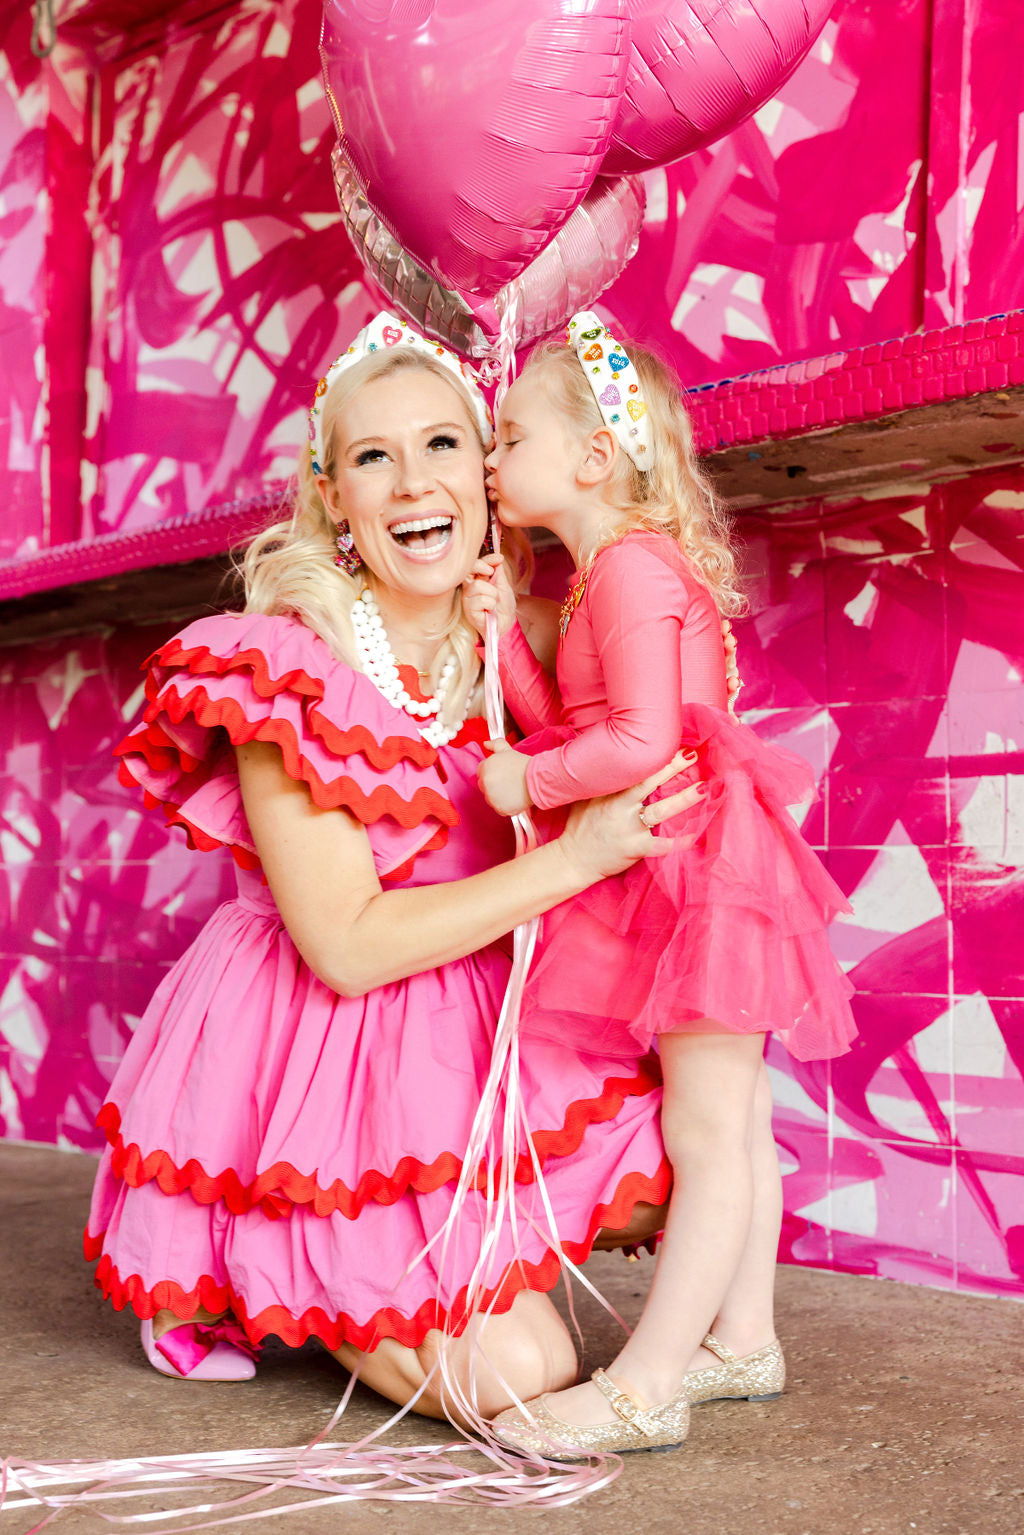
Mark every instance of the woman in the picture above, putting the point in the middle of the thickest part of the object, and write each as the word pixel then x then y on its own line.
pixel 287 1125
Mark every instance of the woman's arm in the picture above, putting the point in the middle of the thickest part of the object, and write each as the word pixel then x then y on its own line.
pixel 356 936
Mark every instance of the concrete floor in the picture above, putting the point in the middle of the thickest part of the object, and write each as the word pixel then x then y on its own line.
pixel 902 1414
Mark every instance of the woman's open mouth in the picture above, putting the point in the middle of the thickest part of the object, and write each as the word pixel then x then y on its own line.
pixel 423 537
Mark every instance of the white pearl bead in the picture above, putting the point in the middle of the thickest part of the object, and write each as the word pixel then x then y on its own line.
pixel 378 663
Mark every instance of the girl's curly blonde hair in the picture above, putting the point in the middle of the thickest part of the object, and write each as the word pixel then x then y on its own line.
pixel 672 497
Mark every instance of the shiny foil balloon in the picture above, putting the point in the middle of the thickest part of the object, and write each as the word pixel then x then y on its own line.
pixel 697 68
pixel 585 257
pixel 474 127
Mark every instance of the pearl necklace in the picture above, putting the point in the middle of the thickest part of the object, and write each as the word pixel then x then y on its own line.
pixel 378 662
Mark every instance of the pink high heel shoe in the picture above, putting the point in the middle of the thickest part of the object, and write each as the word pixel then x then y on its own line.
pixel 201 1351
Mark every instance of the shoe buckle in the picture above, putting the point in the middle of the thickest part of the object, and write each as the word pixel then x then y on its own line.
pixel 626 1408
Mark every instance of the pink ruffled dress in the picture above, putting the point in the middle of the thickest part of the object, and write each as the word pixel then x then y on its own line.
pixel 726 935
pixel 286 1152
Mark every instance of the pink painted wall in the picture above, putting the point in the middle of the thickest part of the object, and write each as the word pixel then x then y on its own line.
pixel 169 192
pixel 886 644
pixel 156 354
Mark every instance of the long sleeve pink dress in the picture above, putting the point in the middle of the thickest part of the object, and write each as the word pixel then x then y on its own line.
pixel 727 933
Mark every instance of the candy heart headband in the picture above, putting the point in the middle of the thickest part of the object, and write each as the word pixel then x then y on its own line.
pixel 613 378
pixel 382 333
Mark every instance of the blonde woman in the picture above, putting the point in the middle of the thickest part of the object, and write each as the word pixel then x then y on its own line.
pixel 287 1126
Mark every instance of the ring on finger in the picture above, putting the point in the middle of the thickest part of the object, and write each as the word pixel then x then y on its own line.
pixel 642 813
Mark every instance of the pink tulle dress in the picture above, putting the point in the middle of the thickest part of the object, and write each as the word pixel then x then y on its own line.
pixel 286 1152
pixel 727 934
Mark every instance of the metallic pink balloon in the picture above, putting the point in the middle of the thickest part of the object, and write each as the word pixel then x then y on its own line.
pixel 697 68
pixel 583 258
pixel 475 127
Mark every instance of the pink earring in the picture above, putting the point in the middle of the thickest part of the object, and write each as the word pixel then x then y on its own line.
pixel 348 557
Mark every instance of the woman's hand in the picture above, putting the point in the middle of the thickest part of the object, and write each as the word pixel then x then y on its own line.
pixel 604 836
pixel 487 590
pixel 502 779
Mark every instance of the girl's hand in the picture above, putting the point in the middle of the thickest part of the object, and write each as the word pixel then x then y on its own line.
pixel 502 779
pixel 487 590
pixel 604 836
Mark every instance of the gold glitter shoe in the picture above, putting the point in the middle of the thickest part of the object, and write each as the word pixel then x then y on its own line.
pixel 639 1428
pixel 759 1377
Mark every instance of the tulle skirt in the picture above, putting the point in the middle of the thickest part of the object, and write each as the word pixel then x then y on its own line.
pixel 726 934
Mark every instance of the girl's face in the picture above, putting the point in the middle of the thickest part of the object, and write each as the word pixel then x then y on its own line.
pixel 409 482
pixel 531 468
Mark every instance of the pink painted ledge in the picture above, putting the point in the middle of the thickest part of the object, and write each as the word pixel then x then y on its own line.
pixel 922 378
pixel 926 368
pixel 199 536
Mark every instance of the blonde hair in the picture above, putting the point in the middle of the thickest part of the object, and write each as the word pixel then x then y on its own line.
pixel 289 567
pixel 672 497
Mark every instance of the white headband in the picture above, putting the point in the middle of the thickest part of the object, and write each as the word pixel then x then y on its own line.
pixel 616 386
pixel 385 331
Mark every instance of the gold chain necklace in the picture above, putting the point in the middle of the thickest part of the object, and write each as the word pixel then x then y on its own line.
pixel 573 598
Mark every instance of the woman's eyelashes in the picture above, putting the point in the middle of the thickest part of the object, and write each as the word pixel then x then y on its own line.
pixel 440 441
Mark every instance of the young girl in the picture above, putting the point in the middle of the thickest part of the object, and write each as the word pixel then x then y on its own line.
pixel 704 951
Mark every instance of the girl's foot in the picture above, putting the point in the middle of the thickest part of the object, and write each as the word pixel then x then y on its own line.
pixel 540 1429
pixel 759 1376
pixel 715 1372
pixel 588 1406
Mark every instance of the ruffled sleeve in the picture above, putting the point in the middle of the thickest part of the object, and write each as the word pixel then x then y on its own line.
pixel 238 677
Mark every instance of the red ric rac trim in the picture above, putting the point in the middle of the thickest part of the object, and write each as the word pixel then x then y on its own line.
pixel 282 1186
pixel 199 661
pixel 160 753
pixel 388 1322
pixel 403 871
pixel 475 729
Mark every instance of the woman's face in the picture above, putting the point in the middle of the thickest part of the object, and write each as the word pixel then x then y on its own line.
pixel 410 482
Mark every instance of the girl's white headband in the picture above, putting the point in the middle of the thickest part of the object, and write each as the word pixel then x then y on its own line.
pixel 383 332
pixel 617 389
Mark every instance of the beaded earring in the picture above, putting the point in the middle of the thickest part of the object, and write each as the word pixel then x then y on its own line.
pixel 348 557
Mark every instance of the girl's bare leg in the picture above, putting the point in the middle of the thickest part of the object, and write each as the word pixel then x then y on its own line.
pixel 527 1348
pixel 708 1120
pixel 746 1317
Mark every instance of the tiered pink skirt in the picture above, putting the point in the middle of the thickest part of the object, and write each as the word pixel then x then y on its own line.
pixel 289 1153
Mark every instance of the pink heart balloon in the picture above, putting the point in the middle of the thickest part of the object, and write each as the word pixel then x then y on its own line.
pixel 475 127
pixel 577 264
pixel 697 68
